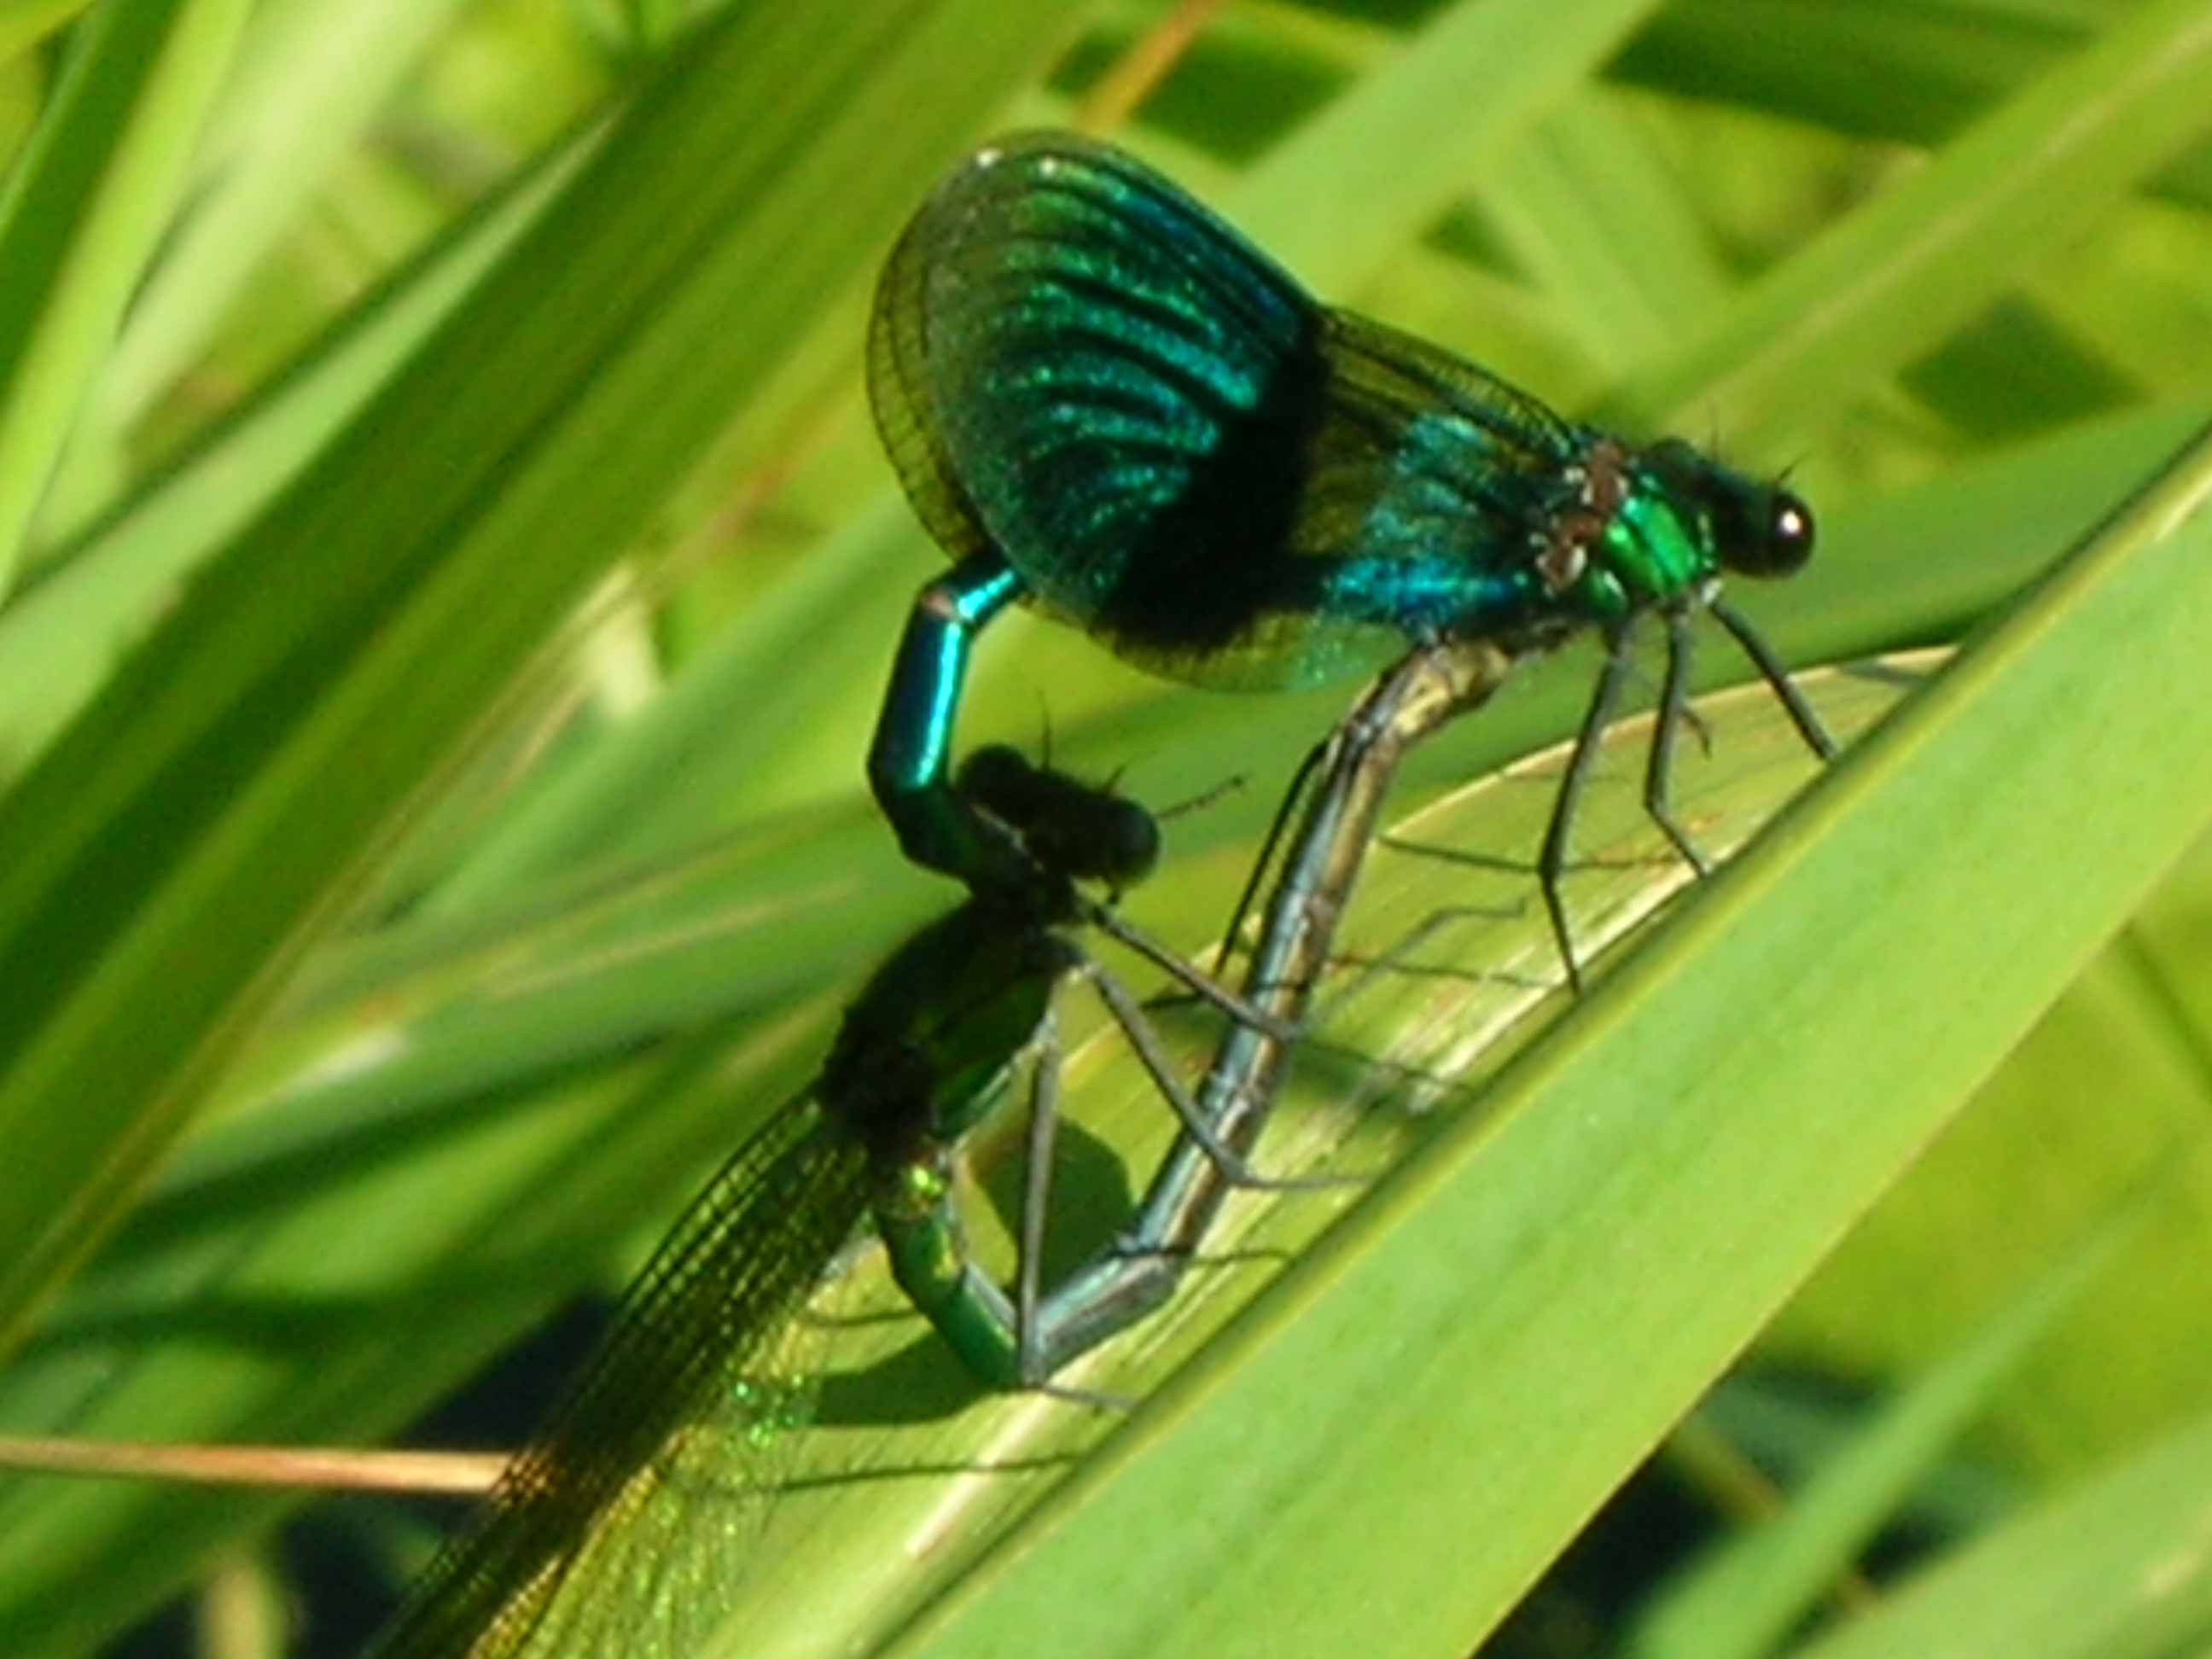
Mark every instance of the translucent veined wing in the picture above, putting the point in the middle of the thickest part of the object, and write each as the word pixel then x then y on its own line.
pixel 688 1368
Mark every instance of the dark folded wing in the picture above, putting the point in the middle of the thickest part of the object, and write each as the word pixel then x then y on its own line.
pixel 1076 364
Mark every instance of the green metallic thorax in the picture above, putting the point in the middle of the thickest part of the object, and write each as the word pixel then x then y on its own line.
pixel 1627 544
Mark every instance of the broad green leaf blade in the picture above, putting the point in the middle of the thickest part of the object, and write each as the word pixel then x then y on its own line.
pixel 1514 1319
pixel 60 641
pixel 24 23
pixel 178 845
pixel 1771 1578
pixel 84 207
pixel 244 763
pixel 310 83
pixel 1891 281
pixel 2101 1571
pixel 1405 140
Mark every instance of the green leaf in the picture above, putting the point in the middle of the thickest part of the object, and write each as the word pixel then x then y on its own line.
pixel 2093 1572
pixel 465 926
pixel 1519 1312
pixel 86 202
pixel 1771 1578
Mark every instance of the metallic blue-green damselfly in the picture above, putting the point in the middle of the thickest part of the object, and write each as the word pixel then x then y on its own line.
pixel 1105 403
pixel 563 1562
pixel 922 1056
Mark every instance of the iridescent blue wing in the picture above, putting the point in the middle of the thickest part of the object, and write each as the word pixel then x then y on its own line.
pixel 1075 365
pixel 1431 489
pixel 1068 361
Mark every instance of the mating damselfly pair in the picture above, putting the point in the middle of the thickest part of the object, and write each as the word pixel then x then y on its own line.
pixel 1104 404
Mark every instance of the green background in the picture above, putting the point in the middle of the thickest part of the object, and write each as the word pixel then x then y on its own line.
pixel 448 576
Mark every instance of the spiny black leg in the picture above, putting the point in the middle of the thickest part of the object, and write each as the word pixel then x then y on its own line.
pixel 1201 987
pixel 1145 1043
pixel 1777 678
pixel 1552 858
pixel 1036 1199
pixel 1276 831
pixel 1667 719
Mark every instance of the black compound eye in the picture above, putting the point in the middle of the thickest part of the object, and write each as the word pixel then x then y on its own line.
pixel 1762 532
pixel 1751 529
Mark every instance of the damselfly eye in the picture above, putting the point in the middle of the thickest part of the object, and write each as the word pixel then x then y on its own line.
pixel 1787 541
pixel 1760 531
